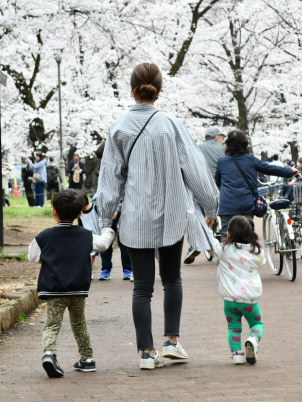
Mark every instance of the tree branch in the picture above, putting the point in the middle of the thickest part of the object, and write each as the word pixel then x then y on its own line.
pixel 213 116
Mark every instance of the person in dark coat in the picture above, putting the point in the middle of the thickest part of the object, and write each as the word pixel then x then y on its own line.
pixel 235 196
pixel 27 174
pixel 76 165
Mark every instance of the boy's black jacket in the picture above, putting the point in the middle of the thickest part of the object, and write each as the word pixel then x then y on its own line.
pixel 66 265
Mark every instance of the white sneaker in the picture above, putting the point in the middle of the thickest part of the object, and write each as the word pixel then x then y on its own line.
pixel 151 362
pixel 91 275
pixel 239 357
pixel 131 279
pixel 251 349
pixel 174 351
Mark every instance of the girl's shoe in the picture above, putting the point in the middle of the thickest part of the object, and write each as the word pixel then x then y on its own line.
pixel 239 357
pixel 149 362
pixel 174 351
pixel 251 349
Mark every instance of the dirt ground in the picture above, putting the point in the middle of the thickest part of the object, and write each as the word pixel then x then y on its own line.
pixel 18 233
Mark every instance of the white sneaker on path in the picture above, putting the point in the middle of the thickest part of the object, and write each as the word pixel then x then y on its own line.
pixel 174 351
pixel 149 362
pixel 251 349
pixel 239 357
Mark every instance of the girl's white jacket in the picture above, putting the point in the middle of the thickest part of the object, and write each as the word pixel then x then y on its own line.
pixel 238 279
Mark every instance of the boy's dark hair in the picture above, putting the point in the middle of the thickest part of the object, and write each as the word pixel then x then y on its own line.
pixel 99 152
pixel 242 230
pixel 68 204
pixel 51 159
pixel 275 157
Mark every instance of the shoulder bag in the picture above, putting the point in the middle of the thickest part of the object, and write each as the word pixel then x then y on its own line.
pixel 128 157
pixel 260 203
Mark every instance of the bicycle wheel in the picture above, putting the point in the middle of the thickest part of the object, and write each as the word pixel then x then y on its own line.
pixel 270 238
pixel 290 259
pixel 209 257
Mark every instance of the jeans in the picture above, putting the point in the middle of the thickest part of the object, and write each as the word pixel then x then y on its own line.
pixel 143 265
pixel 107 255
pixel 225 219
pixel 39 201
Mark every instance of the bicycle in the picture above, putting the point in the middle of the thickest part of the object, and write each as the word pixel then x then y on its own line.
pixel 282 229
pixel 216 228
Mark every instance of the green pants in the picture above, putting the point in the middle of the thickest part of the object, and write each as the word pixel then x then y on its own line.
pixel 234 312
pixel 55 311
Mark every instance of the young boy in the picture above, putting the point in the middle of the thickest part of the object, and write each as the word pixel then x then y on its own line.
pixel 65 277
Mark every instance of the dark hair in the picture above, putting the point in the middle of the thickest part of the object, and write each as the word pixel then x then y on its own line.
pixel 39 154
pixel 99 152
pixel 236 142
pixel 32 159
pixel 242 230
pixel 51 158
pixel 68 204
pixel 146 81
pixel 275 157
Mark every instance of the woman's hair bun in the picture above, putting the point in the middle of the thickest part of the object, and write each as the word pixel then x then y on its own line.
pixel 146 81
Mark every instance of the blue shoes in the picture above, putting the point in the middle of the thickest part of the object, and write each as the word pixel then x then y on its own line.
pixel 105 275
pixel 127 275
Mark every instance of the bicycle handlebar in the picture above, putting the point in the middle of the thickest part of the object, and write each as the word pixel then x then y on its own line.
pixel 271 183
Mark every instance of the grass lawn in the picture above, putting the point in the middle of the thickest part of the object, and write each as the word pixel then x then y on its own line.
pixel 19 207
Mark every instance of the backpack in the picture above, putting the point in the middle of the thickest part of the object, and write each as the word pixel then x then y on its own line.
pixel 52 174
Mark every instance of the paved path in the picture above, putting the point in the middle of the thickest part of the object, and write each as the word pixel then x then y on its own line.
pixel 208 375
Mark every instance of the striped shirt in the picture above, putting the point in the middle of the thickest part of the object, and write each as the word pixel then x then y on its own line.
pixel 164 161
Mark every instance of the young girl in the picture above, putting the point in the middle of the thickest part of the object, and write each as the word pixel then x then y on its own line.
pixel 239 284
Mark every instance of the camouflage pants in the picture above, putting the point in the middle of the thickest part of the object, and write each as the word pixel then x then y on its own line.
pixel 55 311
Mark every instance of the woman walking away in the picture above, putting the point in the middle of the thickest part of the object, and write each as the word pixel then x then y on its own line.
pixel 239 284
pixel 40 178
pixel 236 198
pixel 151 156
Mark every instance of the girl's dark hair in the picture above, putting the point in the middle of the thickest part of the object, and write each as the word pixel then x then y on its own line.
pixel 39 155
pixel 242 230
pixel 236 142
pixel 146 81
pixel 85 198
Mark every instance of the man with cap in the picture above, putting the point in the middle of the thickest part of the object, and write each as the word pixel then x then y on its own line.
pixel 212 150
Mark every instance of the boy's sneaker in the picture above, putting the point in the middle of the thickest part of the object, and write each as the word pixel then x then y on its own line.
pixel 251 349
pixel 190 257
pixel 132 279
pixel 149 362
pixel 174 351
pixel 127 275
pixel 105 275
pixel 51 365
pixel 238 357
pixel 85 365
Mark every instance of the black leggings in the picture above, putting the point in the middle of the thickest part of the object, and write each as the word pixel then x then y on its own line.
pixel 143 266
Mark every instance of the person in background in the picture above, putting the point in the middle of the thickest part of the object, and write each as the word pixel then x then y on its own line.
pixel 107 255
pixel 40 178
pixel 27 174
pixel 53 174
pixel 212 150
pixel 5 177
pixel 236 197
pixel 76 171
